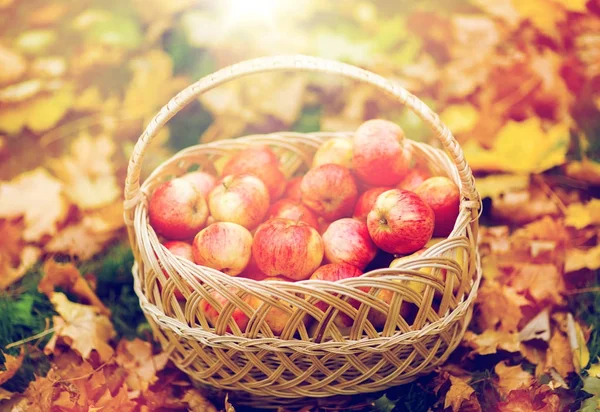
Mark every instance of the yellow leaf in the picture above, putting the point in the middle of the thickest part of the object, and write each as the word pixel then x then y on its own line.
pixel 502 9
pixel 88 172
pixel 581 353
pixel 494 186
pixel 522 147
pixel 459 391
pixel 11 366
pixel 594 370
pixel 37 196
pixel 81 327
pixel 460 118
pixel 586 170
pixel 559 355
pixel 575 5
pixel 577 259
pixel 13 66
pixel 491 340
pixel 545 15
pixel 511 378
pixel 580 215
pixel 198 403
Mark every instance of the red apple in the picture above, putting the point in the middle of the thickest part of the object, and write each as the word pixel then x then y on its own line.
pixel 288 248
pixel 381 157
pixel 292 189
pixel 202 181
pixel 443 196
pixel 334 272
pixel 183 249
pixel 212 314
pixel 347 240
pixel 337 151
pixel 241 199
pixel 261 162
pixel 400 222
pixel 322 225
pixel 223 246
pixel 293 210
pixel 365 202
pixel 330 191
pixel 177 210
pixel 413 179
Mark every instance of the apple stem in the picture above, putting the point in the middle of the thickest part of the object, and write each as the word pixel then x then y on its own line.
pixel 225 185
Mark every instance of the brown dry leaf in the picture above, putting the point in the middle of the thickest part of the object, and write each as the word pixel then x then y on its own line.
pixel 543 229
pixel 13 66
pixel 81 327
pixel 78 240
pixel 511 378
pixel 141 365
pixel 10 274
pixel 11 366
pixel 586 170
pixel 491 340
pixel 580 215
pixel 503 9
pixel 39 393
pixel 543 282
pixel 88 172
pixel 577 259
pixel 459 391
pixel 196 402
pixel 545 15
pixel 540 399
pixel 68 277
pixel 499 307
pixel 537 328
pixel 523 206
pixel 37 196
pixel 559 355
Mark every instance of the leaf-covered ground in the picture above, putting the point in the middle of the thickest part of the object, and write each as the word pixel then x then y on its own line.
pixel 518 82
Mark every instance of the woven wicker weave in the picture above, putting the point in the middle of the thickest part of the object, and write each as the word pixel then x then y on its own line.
pixel 322 359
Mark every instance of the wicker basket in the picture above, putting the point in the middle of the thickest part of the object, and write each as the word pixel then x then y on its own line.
pixel 321 360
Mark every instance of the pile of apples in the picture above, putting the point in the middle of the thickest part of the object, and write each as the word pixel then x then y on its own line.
pixel 364 202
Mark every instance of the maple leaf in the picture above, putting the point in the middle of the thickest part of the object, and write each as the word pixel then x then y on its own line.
pixel 499 306
pixel 586 170
pixel 491 340
pixel 15 259
pixel 68 277
pixel 88 172
pixel 37 196
pixel 198 403
pixel 11 365
pixel 523 206
pixel 459 392
pixel 460 118
pixel 538 149
pixel 544 15
pixel 80 241
pixel 511 378
pixel 540 399
pixel 580 215
pixel 559 355
pixel 81 327
pixel 494 186
pixel 39 393
pixel 136 358
pixel 543 282
pixel 577 259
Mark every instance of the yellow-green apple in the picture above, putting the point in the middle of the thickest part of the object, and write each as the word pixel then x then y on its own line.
pixel 293 210
pixel 347 240
pixel 224 246
pixel 261 162
pixel 413 179
pixel 177 210
pixel 202 181
pixel 275 318
pixel 292 189
pixel 337 150
pixel 288 248
pixel 241 199
pixel 381 156
pixel 400 222
pixel 330 191
pixel 334 272
pixel 417 286
pixel 365 202
pixel 183 249
pixel 443 196
pixel 212 314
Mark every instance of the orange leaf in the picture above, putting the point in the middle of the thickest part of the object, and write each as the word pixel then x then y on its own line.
pixel 11 366
pixel 544 282
pixel 559 355
pixel 459 391
pixel 68 277
pixel 136 358
pixel 511 378
pixel 198 403
pixel 499 306
pixel 542 399
pixel 491 340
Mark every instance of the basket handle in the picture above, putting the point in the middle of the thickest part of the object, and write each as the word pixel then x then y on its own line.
pixel 288 63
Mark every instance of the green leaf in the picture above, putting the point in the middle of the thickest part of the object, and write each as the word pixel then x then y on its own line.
pixel 309 120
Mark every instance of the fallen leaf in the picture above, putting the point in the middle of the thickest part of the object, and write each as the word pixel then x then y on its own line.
pixel 577 259
pixel 581 215
pixel 499 307
pixel 460 118
pixel 544 15
pixel 37 196
pixel 459 391
pixel 511 378
pixel 577 341
pixel 494 186
pixel 88 172
pixel 141 365
pixel 586 170
pixel 67 277
pixel 544 282
pixel 559 354
pixel 537 328
pixel 11 365
pixel 502 9
pixel 594 370
pixel 198 403
pixel 5 395
pixel 82 327
pixel 10 274
pixel 538 149
pixel 524 206
pixel 491 340
pixel 79 241
pixel 592 386
pixel 39 393
pixel 540 399
pixel 13 66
